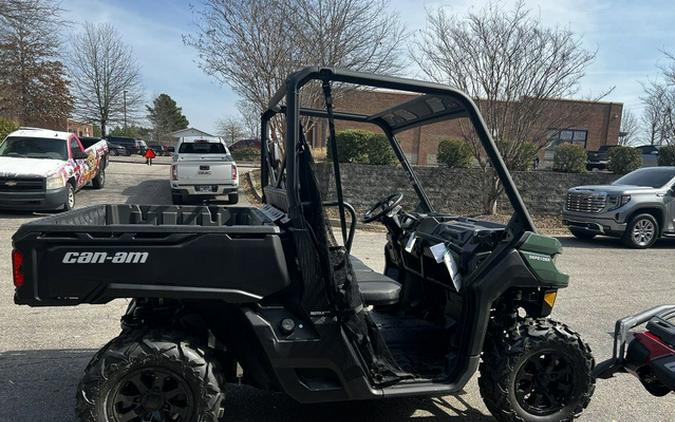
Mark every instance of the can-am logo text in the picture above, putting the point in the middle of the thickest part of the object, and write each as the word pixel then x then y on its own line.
pixel 105 258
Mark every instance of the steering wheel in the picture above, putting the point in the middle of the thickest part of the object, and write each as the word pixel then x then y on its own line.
pixel 383 207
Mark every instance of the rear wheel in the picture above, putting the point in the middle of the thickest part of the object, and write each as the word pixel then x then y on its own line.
pixel 582 234
pixel 177 199
pixel 151 376
pixel 539 370
pixel 641 232
pixel 99 181
pixel 233 198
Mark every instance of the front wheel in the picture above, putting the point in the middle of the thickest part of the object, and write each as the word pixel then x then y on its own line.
pixel 641 232
pixel 151 376
pixel 70 198
pixel 537 369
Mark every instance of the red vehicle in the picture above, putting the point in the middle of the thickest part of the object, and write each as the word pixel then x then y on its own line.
pixel 649 355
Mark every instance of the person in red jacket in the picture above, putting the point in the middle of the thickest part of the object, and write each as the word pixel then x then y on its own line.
pixel 149 155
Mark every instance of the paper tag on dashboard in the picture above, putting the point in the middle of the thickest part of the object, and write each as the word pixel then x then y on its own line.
pixel 453 270
pixel 411 243
pixel 439 251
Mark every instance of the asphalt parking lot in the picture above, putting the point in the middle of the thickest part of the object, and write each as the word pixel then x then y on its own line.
pixel 44 350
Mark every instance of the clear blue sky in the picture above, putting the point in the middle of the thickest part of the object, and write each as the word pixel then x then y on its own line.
pixel 628 36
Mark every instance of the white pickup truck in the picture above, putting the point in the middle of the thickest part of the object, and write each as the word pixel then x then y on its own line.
pixel 41 169
pixel 203 168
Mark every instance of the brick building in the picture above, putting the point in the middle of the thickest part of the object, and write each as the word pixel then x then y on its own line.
pixel 594 124
pixel 79 128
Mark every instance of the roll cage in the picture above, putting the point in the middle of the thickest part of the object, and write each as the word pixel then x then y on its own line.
pixel 436 103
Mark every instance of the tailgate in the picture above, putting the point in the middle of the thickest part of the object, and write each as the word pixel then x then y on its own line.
pixel 205 170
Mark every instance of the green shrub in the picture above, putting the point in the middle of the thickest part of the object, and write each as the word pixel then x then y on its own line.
pixel 6 127
pixel 518 157
pixel 362 146
pixel 379 150
pixel 570 158
pixel 352 146
pixel 667 155
pixel 454 153
pixel 623 160
pixel 246 154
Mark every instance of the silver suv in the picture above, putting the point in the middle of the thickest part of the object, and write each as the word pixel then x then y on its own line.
pixel 638 207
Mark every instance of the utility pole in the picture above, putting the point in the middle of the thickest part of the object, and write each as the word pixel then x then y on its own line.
pixel 125 110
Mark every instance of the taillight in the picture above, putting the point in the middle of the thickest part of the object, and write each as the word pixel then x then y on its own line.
pixel 17 268
pixel 234 173
pixel 174 172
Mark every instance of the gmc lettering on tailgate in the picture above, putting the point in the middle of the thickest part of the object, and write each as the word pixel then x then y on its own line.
pixel 105 258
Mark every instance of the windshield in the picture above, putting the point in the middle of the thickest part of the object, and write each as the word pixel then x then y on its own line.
pixel 653 177
pixel 14 146
pixel 202 148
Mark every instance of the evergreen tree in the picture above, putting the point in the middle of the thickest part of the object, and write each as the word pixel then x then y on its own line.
pixel 165 116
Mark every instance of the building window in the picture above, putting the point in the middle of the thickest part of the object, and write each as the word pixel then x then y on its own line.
pixel 574 136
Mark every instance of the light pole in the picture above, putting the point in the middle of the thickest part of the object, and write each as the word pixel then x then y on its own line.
pixel 125 110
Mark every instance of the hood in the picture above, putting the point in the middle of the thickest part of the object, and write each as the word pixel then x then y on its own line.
pixel 35 167
pixel 612 188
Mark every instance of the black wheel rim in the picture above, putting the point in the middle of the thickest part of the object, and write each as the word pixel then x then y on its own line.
pixel 544 383
pixel 150 395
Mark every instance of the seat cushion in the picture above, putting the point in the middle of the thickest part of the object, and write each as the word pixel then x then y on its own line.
pixel 358 265
pixel 375 288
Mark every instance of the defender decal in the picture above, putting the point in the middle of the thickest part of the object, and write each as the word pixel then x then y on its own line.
pixel 105 258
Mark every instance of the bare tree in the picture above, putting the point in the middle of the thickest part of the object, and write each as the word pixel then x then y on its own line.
pixel 253 45
pixel 33 89
pixel 250 118
pixel 512 65
pixel 231 129
pixel 629 134
pixel 659 105
pixel 654 121
pixel 106 76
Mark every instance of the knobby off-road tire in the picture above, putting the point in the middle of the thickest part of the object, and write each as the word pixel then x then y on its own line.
pixel 151 372
pixel 534 346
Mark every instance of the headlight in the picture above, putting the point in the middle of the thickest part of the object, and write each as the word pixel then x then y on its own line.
pixel 617 201
pixel 55 182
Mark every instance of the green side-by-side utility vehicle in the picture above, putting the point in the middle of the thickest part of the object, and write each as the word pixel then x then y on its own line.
pixel 267 297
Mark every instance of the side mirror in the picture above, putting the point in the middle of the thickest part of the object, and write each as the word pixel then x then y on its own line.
pixel 80 155
pixel 172 149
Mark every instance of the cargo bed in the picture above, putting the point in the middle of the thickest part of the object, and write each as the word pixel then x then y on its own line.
pixel 100 253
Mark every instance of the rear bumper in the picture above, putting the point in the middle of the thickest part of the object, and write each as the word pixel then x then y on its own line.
pixel 599 224
pixel 45 200
pixel 191 190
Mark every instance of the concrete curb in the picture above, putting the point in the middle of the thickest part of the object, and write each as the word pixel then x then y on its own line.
pixel 251 180
pixel 127 160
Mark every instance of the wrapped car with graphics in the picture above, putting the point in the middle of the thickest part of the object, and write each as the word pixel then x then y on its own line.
pixel 42 169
